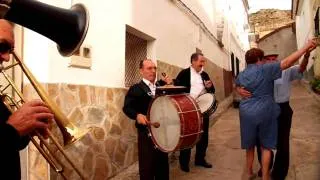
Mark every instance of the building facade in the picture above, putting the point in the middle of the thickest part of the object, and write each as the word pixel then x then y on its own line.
pixel 306 15
pixel 281 41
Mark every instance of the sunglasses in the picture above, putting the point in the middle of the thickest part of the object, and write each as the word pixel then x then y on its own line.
pixel 5 47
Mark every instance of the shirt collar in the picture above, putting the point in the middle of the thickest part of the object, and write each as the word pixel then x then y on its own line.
pixel 193 70
pixel 147 82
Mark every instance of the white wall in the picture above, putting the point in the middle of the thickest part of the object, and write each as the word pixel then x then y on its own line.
pixel 176 38
pixel 282 42
pixel 235 37
pixel 106 35
pixel 304 24
pixel 305 29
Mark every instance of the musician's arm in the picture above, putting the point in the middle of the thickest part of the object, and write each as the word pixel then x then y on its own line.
pixel 161 82
pixel 129 103
pixel 179 79
pixel 243 92
pixel 210 89
pixel 9 137
pixel 23 142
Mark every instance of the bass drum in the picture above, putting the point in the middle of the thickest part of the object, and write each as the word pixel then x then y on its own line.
pixel 180 122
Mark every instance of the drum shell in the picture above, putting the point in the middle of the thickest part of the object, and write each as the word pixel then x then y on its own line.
pixel 190 122
pixel 213 105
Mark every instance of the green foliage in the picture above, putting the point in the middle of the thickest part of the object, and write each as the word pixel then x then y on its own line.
pixel 315 84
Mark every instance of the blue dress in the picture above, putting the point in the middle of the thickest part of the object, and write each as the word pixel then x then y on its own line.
pixel 259 113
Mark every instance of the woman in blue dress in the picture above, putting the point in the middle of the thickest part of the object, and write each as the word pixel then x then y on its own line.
pixel 258 114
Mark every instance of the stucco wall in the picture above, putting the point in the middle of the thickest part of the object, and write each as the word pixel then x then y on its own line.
pixel 282 42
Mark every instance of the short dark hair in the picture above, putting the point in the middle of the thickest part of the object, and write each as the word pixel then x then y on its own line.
pixel 253 55
pixel 141 63
pixel 195 56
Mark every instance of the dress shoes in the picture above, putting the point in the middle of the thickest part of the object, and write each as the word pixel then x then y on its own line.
pixel 203 164
pixel 185 168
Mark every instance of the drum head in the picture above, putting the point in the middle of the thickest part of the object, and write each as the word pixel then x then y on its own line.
pixel 167 136
pixel 205 102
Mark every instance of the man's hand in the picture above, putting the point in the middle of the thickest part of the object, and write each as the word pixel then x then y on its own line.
pixel 208 84
pixel 31 116
pixel 304 63
pixel 311 44
pixel 243 92
pixel 142 119
pixel 166 79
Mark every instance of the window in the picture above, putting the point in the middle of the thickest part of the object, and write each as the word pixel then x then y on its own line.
pixel 232 63
pixel 316 23
pixel 136 50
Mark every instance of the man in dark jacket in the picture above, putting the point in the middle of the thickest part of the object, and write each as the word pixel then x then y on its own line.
pixel 197 81
pixel 153 164
pixel 14 127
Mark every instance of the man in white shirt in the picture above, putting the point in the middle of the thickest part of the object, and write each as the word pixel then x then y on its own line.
pixel 196 81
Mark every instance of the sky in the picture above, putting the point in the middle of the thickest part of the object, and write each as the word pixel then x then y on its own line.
pixel 256 5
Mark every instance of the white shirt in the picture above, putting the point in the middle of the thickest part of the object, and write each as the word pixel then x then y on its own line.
pixel 152 86
pixel 196 83
pixel 282 85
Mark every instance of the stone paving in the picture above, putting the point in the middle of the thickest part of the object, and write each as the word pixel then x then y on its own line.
pixel 228 158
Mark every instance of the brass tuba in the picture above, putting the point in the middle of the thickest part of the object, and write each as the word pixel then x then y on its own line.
pixel 66 27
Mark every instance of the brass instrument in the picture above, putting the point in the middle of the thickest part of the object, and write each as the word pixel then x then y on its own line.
pixel 69 132
pixel 66 27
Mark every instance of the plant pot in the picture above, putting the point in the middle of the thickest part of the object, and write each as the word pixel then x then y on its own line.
pixel 317 91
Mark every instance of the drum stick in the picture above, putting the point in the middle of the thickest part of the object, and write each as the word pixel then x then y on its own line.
pixel 155 124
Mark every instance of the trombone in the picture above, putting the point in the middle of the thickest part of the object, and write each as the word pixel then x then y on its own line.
pixel 69 132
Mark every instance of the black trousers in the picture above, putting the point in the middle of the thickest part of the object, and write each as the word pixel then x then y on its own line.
pixel 153 164
pixel 281 164
pixel 201 146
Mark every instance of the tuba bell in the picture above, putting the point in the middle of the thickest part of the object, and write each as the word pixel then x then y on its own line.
pixel 66 27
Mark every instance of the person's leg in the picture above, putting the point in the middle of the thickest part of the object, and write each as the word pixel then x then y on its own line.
pixel 266 156
pixel 161 166
pixel 249 136
pixel 250 158
pixel 184 159
pixel 259 158
pixel 268 133
pixel 281 165
pixel 202 145
pixel 145 152
pixel 259 151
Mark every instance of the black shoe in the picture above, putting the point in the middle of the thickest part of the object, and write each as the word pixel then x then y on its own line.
pixel 203 163
pixel 274 176
pixel 185 168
